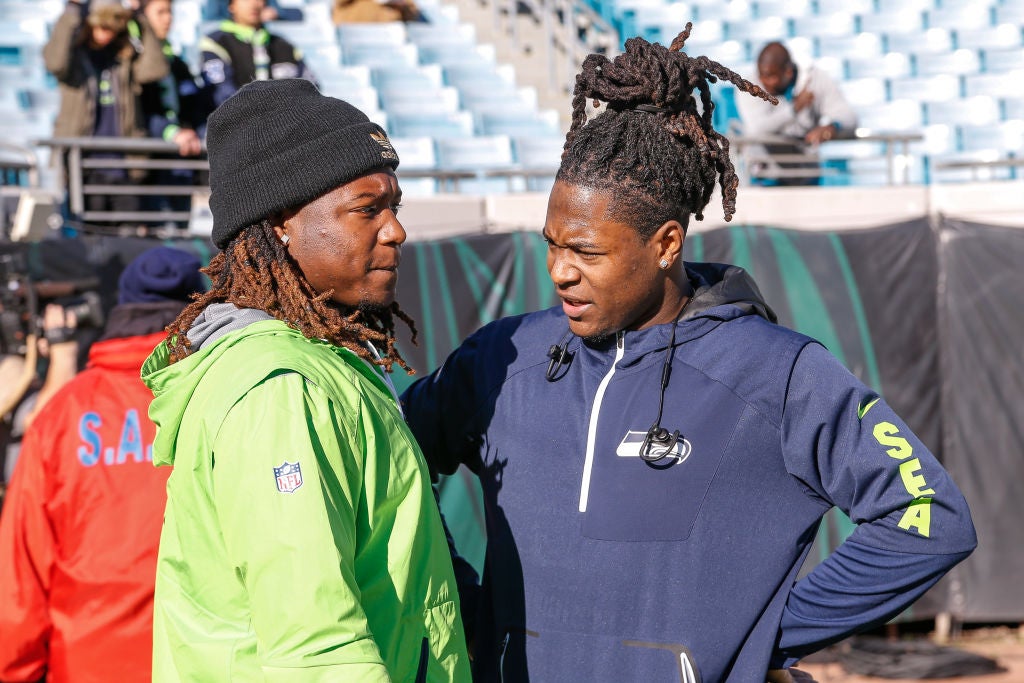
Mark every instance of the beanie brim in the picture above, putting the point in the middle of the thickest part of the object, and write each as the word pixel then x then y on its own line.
pixel 296 176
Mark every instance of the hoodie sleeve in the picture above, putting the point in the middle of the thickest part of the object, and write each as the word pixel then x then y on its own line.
pixel 287 482
pixel 848 446
pixel 28 547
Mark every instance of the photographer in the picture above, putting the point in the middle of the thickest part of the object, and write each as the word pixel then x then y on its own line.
pixel 79 532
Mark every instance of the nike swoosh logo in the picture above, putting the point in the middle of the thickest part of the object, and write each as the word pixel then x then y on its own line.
pixel 863 408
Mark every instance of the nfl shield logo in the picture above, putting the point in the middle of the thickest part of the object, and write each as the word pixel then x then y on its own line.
pixel 289 477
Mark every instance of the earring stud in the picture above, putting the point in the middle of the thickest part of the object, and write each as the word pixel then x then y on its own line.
pixel 663 264
pixel 285 239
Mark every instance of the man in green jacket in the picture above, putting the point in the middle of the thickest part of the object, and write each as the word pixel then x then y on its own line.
pixel 301 540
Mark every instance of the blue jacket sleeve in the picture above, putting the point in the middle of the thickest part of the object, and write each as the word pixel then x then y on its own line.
pixel 440 410
pixel 851 450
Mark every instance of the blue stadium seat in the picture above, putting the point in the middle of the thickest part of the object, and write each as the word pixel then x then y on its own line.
pixel 904 19
pixel 892 65
pixel 938 139
pixel 789 9
pixel 457 125
pixel 826 7
pixel 394 77
pixel 431 100
pixel 1012 108
pixel 939 88
pixel 475 154
pixel 416 154
pixel 991 85
pixel 998 61
pixel 960 62
pixel 382 35
pixel 896 115
pixel 405 55
pixel 834 25
pixel 972 16
pixel 758 31
pixel 862 46
pixel 522 123
pixel 1006 137
pixel 722 11
pixel 993 37
pixel 1010 13
pixel 978 111
pixel 864 92
pixel 931 41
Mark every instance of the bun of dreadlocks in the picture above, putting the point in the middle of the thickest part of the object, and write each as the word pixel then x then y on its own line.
pixel 654 145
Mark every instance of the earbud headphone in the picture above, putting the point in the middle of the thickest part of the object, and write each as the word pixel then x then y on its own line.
pixel 559 355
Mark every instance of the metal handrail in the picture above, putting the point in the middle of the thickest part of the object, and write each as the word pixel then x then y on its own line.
pixel 901 139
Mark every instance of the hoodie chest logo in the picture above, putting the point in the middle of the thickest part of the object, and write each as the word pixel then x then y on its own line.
pixel 631 443
pixel 288 476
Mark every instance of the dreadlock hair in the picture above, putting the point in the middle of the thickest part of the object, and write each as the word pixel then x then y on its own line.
pixel 255 271
pixel 653 146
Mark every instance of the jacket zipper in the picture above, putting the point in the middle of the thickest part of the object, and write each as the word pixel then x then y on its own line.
pixel 501 658
pixel 595 411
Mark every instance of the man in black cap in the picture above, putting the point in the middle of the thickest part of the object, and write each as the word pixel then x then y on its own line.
pixel 301 538
pixel 79 531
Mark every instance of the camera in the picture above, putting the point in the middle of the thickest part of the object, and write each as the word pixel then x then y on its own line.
pixel 23 299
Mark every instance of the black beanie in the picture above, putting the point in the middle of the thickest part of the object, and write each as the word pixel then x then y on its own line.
pixel 276 145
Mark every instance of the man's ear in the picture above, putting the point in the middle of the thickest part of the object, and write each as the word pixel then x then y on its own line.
pixel 669 240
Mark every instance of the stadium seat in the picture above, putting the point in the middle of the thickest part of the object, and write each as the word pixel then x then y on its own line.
pixel 431 100
pixel 864 92
pixel 369 55
pixel 521 123
pixel 904 20
pixel 1010 13
pixel 1006 137
pixel 1012 108
pixel 994 85
pixel 958 62
pixel 826 7
pixel 973 16
pixel 896 115
pixel 382 35
pixel 439 126
pixel 971 111
pixel 928 89
pixel 860 46
pixel 789 9
pixel 938 139
pixel 478 154
pixel 736 10
pixel 992 37
pixel 416 154
pixel 997 61
pixel 834 25
pixel 931 41
pixel 892 65
pixel 392 77
pixel 757 31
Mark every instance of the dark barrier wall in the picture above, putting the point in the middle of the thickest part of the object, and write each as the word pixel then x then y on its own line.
pixel 982 322
pixel 870 295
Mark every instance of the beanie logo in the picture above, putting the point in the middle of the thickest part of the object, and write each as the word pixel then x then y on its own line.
pixel 389 151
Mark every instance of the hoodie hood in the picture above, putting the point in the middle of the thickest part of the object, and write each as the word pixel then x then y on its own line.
pixel 719 284
pixel 174 385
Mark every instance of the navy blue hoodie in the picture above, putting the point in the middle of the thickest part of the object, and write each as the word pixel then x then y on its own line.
pixel 601 567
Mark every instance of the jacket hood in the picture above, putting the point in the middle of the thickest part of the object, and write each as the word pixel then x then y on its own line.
pixel 173 385
pixel 719 284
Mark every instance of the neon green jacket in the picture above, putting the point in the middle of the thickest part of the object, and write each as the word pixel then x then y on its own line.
pixel 301 540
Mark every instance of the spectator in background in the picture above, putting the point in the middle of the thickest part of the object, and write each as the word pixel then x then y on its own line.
pixel 242 51
pixel 174 106
pixel 811 109
pixel 101 70
pixel 80 528
pixel 369 11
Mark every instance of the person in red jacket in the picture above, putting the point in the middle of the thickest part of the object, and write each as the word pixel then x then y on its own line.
pixel 81 525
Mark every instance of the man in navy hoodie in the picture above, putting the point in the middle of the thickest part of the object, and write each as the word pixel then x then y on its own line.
pixel 656 454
